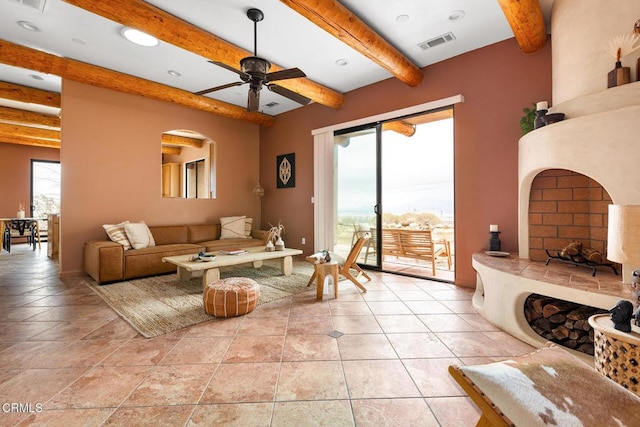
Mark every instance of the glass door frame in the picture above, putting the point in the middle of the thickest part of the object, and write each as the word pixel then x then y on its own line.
pixel 377 207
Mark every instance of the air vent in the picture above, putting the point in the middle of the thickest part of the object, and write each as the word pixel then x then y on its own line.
pixel 271 104
pixel 437 41
pixel 35 4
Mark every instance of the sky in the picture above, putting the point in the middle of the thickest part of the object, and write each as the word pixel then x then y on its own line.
pixel 417 172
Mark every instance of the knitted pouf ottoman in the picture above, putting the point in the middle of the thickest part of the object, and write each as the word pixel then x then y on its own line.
pixel 231 297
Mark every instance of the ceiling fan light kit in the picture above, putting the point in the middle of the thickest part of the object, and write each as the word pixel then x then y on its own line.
pixel 255 71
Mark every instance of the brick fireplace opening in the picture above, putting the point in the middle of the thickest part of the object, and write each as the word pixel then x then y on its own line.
pixel 565 206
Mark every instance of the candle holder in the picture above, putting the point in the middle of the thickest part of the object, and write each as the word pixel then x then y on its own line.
pixel 494 241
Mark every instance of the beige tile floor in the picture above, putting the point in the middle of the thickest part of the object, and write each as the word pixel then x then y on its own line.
pixel 70 360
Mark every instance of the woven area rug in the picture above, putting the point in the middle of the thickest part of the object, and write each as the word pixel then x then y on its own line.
pixel 160 304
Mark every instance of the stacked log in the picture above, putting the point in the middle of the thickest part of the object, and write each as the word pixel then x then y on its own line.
pixel 563 322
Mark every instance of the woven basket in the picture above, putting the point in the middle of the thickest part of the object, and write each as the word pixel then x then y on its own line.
pixel 618 360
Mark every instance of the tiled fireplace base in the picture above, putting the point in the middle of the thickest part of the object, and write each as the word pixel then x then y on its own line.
pixel 503 285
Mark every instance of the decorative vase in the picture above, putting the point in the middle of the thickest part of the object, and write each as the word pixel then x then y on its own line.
pixel 20 214
pixel 618 76
pixel 538 122
pixel 269 247
pixel 279 244
pixel 494 241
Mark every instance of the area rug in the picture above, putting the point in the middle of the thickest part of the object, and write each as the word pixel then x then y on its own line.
pixel 160 304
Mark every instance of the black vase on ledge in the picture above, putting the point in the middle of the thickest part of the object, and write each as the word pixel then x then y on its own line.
pixel 494 241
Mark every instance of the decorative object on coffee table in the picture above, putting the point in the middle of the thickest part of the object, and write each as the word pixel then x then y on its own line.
pixel 231 297
pixel 274 235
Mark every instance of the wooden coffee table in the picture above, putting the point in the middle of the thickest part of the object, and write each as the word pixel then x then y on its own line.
pixel 211 269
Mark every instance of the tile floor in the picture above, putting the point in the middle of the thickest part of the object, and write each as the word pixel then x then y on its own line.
pixel 67 359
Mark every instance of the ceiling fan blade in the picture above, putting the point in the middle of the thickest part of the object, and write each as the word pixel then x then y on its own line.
pixel 290 73
pixel 289 94
pixel 213 89
pixel 244 76
pixel 253 100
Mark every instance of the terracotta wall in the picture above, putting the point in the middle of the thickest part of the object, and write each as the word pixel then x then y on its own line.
pixel 565 206
pixel 497 82
pixel 15 184
pixel 111 166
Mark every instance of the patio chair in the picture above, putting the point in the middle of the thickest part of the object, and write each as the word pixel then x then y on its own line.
pixel 348 264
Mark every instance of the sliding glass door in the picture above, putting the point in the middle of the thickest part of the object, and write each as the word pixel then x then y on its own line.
pixel 394 181
pixel 357 195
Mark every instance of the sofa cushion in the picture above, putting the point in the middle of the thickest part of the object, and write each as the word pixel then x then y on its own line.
pixel 117 233
pixel 232 227
pixel 169 234
pixel 148 261
pixel 139 235
pixel 216 245
pixel 201 233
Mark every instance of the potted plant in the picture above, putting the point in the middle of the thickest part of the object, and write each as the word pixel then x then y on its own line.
pixel 527 121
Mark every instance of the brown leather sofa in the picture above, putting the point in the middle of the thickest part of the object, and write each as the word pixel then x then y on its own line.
pixel 107 261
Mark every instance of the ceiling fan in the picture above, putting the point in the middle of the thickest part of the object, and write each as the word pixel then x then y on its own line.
pixel 255 71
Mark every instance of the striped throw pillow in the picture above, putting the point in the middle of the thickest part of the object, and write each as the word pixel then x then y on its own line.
pixel 248 223
pixel 117 233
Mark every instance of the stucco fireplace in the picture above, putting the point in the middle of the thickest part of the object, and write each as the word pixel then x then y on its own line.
pixel 594 153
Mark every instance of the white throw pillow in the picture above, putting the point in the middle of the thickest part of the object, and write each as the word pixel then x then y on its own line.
pixel 248 223
pixel 139 235
pixel 232 227
pixel 117 234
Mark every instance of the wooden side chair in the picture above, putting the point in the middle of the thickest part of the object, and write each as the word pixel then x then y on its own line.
pixel 345 267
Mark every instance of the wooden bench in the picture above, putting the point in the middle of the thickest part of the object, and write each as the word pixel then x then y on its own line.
pixel 414 244
pixel 547 387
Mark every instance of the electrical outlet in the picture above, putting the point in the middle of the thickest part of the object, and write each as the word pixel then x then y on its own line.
pixel 304 241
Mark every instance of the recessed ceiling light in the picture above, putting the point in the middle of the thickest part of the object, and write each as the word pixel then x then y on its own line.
pixel 341 62
pixel 138 37
pixel 36 77
pixel 456 15
pixel 174 73
pixel 28 26
pixel 402 18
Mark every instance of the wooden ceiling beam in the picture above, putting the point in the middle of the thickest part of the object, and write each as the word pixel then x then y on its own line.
pixel 29 132
pixel 527 22
pixel 171 150
pixel 401 127
pixel 28 94
pixel 21 56
pixel 341 23
pixel 182 141
pixel 28 117
pixel 35 142
pixel 148 18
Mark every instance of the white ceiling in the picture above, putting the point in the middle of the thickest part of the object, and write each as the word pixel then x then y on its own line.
pixel 284 38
